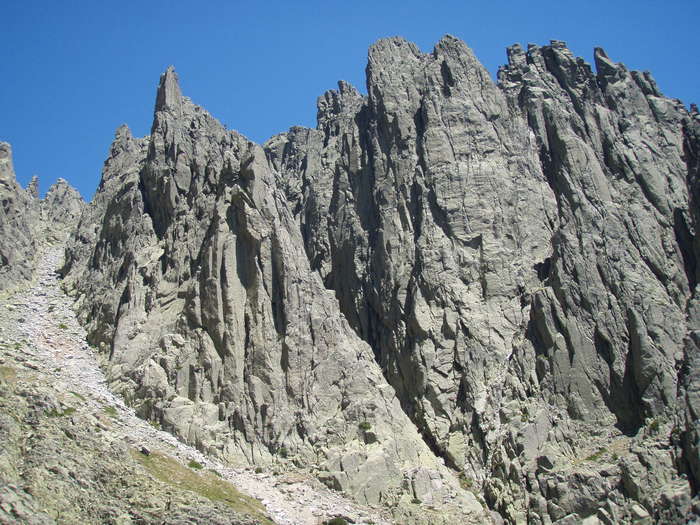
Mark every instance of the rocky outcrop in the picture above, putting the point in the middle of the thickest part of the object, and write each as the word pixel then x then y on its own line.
pixel 17 245
pixel 497 276
pixel 520 258
pixel 57 465
pixel 26 221
pixel 191 274
pixel 60 209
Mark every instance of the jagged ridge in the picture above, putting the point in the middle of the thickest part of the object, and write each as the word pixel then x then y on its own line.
pixel 519 259
pixel 26 221
pixel 197 287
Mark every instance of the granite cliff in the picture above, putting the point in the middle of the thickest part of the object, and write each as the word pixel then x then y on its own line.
pixel 191 274
pixel 26 221
pixel 459 298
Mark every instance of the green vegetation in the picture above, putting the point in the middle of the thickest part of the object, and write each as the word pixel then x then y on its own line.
pixel 18 346
pixel 57 413
pixel 195 465
pixel 155 425
pixel 465 482
pixel 335 521
pixel 110 411
pixel 205 484
pixel 596 455
pixel 416 501
pixel 654 425
pixel 258 470
pixel 8 374
pixel 364 426
pixel 63 326
pixel 52 307
pixel 282 452
pixel 524 415
pixel 82 398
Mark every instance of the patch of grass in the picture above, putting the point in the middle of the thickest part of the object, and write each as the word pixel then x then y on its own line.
pixel 110 411
pixel 364 426
pixel 335 521
pixel 195 465
pixel 171 472
pixel 52 307
pixel 82 398
pixel 258 470
pixel 596 455
pixel 57 413
pixel 524 415
pixel 465 482
pixel 17 346
pixel 8 374
pixel 282 452
pixel 63 326
pixel 655 425
pixel 155 425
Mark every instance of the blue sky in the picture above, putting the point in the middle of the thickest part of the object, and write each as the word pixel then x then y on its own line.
pixel 71 72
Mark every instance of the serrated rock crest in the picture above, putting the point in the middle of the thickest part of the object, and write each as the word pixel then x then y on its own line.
pixel 497 276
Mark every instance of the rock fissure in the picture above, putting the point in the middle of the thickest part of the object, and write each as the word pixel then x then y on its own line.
pixel 464 300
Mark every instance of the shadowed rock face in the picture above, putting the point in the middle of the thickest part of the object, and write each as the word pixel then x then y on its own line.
pixel 519 256
pixel 498 275
pixel 16 242
pixel 192 277
pixel 27 221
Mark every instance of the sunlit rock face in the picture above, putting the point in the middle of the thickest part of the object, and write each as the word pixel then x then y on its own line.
pixel 27 222
pixel 450 281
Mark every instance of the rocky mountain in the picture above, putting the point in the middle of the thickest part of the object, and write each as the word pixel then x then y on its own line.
pixel 191 274
pixel 27 221
pixel 16 243
pixel 458 298
pixel 71 451
pixel 520 257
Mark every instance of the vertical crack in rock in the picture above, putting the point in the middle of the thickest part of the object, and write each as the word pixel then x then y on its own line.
pixel 497 277
pixel 537 292
pixel 197 279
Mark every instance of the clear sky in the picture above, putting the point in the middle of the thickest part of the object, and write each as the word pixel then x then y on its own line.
pixel 72 71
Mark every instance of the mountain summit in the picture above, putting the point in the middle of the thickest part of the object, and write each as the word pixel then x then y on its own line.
pixel 458 299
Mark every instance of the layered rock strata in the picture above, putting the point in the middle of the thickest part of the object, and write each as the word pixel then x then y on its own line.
pixel 499 277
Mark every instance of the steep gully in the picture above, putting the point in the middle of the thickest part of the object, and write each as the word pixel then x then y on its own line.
pixel 520 259
pixel 40 334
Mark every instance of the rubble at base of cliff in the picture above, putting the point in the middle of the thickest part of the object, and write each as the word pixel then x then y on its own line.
pixel 453 301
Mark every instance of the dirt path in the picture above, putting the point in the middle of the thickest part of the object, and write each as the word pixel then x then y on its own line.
pixel 38 326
